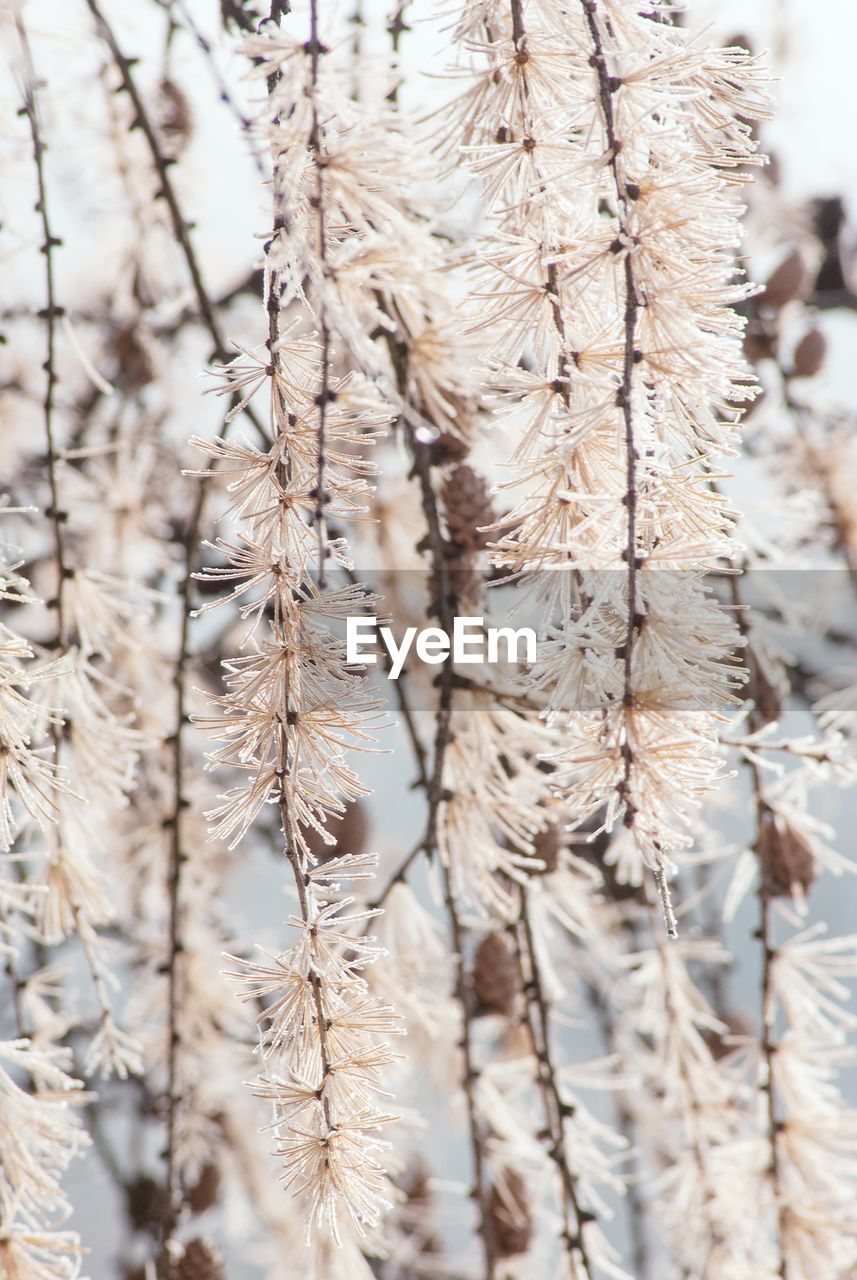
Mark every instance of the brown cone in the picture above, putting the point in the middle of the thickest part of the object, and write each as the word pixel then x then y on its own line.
pixel 135 366
pixel 463 581
pixel 546 846
pixel 494 976
pixel 467 504
pixel 203 1194
pixel 146 1204
pixel 199 1262
pixel 809 354
pixel 759 342
pixel 787 861
pixel 786 282
pixel 449 448
pixel 175 114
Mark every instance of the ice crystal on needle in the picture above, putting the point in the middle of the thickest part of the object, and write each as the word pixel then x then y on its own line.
pixel 609 148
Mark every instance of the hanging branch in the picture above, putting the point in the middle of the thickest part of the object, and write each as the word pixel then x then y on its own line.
pixel 435 796
pixel 419 444
pixel 764 933
pixel 181 226
pixel 549 151
pixel 299 867
pixel 119 1054
pixel 50 314
pixel 608 86
pixel 316 49
pixel 716 1237
pixel 178 855
pixel 626 1125
pixel 294 708
pixel 557 1110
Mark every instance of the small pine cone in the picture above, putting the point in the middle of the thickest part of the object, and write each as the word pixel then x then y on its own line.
pixel 547 845
pixel 350 831
pixel 494 976
pixel 448 448
pixel 175 114
pixel 739 41
pixel 786 858
pixel 467 503
pixel 205 1191
pixel 198 1262
pixel 510 1219
pixel 415 1185
pixel 786 282
pixel 762 689
pixel 809 354
pixel 146 1203
pixel 135 365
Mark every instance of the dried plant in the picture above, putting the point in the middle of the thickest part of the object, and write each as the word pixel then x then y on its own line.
pixel 479 345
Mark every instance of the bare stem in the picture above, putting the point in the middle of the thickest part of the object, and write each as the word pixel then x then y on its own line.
pixel 50 314
pixel 207 310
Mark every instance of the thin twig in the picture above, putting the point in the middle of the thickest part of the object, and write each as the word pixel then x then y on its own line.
pixel 626 1123
pixel 162 163
pixel 315 145
pixel 607 87
pixel 181 227
pixel 693 1110
pixel 765 937
pixel 435 795
pixel 51 312
pixel 557 1110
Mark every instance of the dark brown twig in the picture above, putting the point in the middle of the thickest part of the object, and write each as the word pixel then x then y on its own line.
pixel 50 314
pixel 162 163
